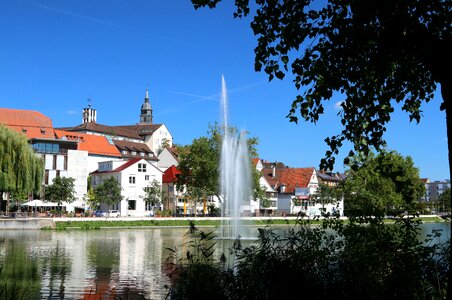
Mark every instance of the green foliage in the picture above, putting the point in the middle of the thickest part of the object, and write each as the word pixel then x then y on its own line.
pixel 374 261
pixel 384 184
pixel 153 193
pixel 61 190
pixel 195 273
pixel 444 201
pixel 108 192
pixel 326 195
pixel 21 170
pixel 164 213
pixel 19 275
pixel 213 211
pixel 199 163
pixel 371 53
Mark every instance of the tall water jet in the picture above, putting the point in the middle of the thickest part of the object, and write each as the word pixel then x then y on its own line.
pixel 235 175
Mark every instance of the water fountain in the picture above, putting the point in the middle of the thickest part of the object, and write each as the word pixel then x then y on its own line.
pixel 235 176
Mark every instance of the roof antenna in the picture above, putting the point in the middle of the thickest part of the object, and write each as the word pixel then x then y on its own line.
pixel 89 101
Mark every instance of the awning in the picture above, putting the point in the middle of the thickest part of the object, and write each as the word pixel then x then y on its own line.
pixel 39 203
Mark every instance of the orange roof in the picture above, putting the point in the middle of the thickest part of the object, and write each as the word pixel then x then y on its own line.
pixel 94 144
pixel 31 123
pixel 290 177
pixel 255 161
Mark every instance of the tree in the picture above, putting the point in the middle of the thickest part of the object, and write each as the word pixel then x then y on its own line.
pixel 153 194
pixel 21 170
pixel 165 143
pixel 61 190
pixel 199 163
pixel 374 53
pixel 444 201
pixel 326 194
pixel 384 184
pixel 108 192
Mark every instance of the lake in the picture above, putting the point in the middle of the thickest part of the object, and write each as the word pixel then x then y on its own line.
pixel 97 264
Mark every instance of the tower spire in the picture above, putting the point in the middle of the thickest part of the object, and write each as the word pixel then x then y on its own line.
pixel 146 110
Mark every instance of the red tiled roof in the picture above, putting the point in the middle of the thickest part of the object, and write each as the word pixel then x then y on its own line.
pixel 127 164
pixel 170 175
pixel 121 167
pixel 290 177
pixel 131 131
pixel 94 144
pixel 32 123
pixel 137 147
pixel 104 129
pixel 255 161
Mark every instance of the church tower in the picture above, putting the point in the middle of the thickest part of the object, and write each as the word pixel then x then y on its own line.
pixel 146 110
pixel 89 114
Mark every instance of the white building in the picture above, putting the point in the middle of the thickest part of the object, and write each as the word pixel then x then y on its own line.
pixel 295 187
pixel 270 192
pixel 168 157
pixel 133 176
pixel 154 136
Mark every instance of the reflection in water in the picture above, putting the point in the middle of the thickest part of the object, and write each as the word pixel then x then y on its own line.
pixel 101 264
pixel 19 276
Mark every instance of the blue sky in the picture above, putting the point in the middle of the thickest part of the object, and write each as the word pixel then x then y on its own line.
pixel 55 54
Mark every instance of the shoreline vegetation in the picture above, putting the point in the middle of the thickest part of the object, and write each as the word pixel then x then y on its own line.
pixel 105 223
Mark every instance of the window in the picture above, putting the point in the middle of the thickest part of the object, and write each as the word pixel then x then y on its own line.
pixel 146 177
pixel 132 204
pixel 141 154
pixel 141 167
pixel 132 179
pixel 148 205
pixel 46 177
pixel 134 153
pixel 124 152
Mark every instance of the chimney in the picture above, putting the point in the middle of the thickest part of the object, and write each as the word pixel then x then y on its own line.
pixel 274 170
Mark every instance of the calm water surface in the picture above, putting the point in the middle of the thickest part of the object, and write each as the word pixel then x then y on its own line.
pixel 100 264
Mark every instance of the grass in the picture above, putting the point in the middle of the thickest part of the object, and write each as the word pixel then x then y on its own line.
pixel 112 223
pixel 158 223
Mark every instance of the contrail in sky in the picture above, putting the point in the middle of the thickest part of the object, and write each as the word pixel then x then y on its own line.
pixel 215 97
pixel 49 8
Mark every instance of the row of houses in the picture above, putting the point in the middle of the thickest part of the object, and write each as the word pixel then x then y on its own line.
pixel 137 155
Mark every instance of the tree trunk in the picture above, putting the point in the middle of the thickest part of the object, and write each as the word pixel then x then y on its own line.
pixel 446 91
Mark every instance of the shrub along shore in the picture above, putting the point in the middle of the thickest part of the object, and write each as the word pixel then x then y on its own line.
pixel 100 223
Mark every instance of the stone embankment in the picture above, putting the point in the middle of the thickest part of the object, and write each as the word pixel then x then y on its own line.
pixel 29 223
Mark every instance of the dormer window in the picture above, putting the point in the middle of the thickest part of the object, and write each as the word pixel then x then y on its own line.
pixel 43 131
pixel 24 130
pixel 141 154
pixel 134 153
pixel 124 152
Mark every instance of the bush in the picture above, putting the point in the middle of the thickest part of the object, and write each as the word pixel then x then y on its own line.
pixel 332 261
pixel 163 213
